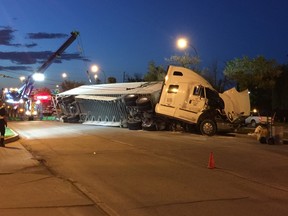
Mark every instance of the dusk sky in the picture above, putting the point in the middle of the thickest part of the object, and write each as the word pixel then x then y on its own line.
pixel 125 35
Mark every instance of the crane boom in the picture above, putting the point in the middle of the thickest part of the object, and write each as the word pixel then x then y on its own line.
pixel 26 89
pixel 58 52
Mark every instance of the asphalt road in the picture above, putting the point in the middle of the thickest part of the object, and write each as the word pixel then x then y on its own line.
pixel 131 173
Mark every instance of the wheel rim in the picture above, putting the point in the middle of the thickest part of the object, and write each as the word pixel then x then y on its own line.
pixel 208 128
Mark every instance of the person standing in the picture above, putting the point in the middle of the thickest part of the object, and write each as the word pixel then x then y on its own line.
pixel 3 123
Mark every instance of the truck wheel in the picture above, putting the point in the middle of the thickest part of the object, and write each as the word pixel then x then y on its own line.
pixel 59 100
pixel 73 119
pixel 253 123
pixel 148 125
pixel 263 140
pixel 271 141
pixel 208 127
pixel 134 125
pixel 144 104
pixel 68 99
pixel 63 119
pixel 149 128
pixel 130 100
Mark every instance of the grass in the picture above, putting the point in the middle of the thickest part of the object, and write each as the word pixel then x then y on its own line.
pixel 9 132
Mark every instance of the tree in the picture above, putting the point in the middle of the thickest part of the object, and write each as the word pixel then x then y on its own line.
pixel 253 73
pixel 155 73
pixel 67 85
pixel 217 80
pixel 259 75
pixel 187 61
pixel 111 80
pixel 136 78
pixel 280 94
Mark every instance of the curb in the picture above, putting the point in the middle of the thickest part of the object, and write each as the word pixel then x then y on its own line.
pixel 11 138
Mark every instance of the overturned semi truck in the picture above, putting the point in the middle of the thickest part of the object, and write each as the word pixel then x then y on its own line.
pixel 183 99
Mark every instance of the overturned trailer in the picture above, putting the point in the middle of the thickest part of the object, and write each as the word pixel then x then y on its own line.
pixel 184 98
pixel 103 104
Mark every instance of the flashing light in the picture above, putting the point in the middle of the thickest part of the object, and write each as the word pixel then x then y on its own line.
pixel 11 101
pixel 22 78
pixel 42 97
pixel 38 76
pixel 6 90
pixel 28 113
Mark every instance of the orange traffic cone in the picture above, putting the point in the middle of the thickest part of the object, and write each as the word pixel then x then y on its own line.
pixel 211 163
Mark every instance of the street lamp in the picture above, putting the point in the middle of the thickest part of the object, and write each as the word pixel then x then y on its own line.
pixel 183 43
pixel 64 75
pixel 95 68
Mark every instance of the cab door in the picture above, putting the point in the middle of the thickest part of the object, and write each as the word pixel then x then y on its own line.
pixel 196 101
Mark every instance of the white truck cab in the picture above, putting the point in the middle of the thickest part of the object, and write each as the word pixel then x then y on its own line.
pixel 189 97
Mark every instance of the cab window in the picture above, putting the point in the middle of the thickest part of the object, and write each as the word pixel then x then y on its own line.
pixel 198 91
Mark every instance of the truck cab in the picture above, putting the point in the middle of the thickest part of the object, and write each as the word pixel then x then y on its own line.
pixel 188 97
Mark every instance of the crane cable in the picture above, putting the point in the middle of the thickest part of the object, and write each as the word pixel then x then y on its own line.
pixel 80 48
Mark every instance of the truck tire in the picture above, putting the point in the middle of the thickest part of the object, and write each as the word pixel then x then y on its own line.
pixel 149 125
pixel 208 127
pixel 149 128
pixel 271 141
pixel 253 123
pixel 63 119
pixel 59 100
pixel 73 119
pixel 263 140
pixel 130 100
pixel 68 99
pixel 134 125
pixel 143 104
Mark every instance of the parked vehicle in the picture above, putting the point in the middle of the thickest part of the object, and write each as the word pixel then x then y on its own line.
pixel 255 119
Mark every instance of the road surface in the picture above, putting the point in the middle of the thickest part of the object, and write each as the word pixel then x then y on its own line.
pixel 141 173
